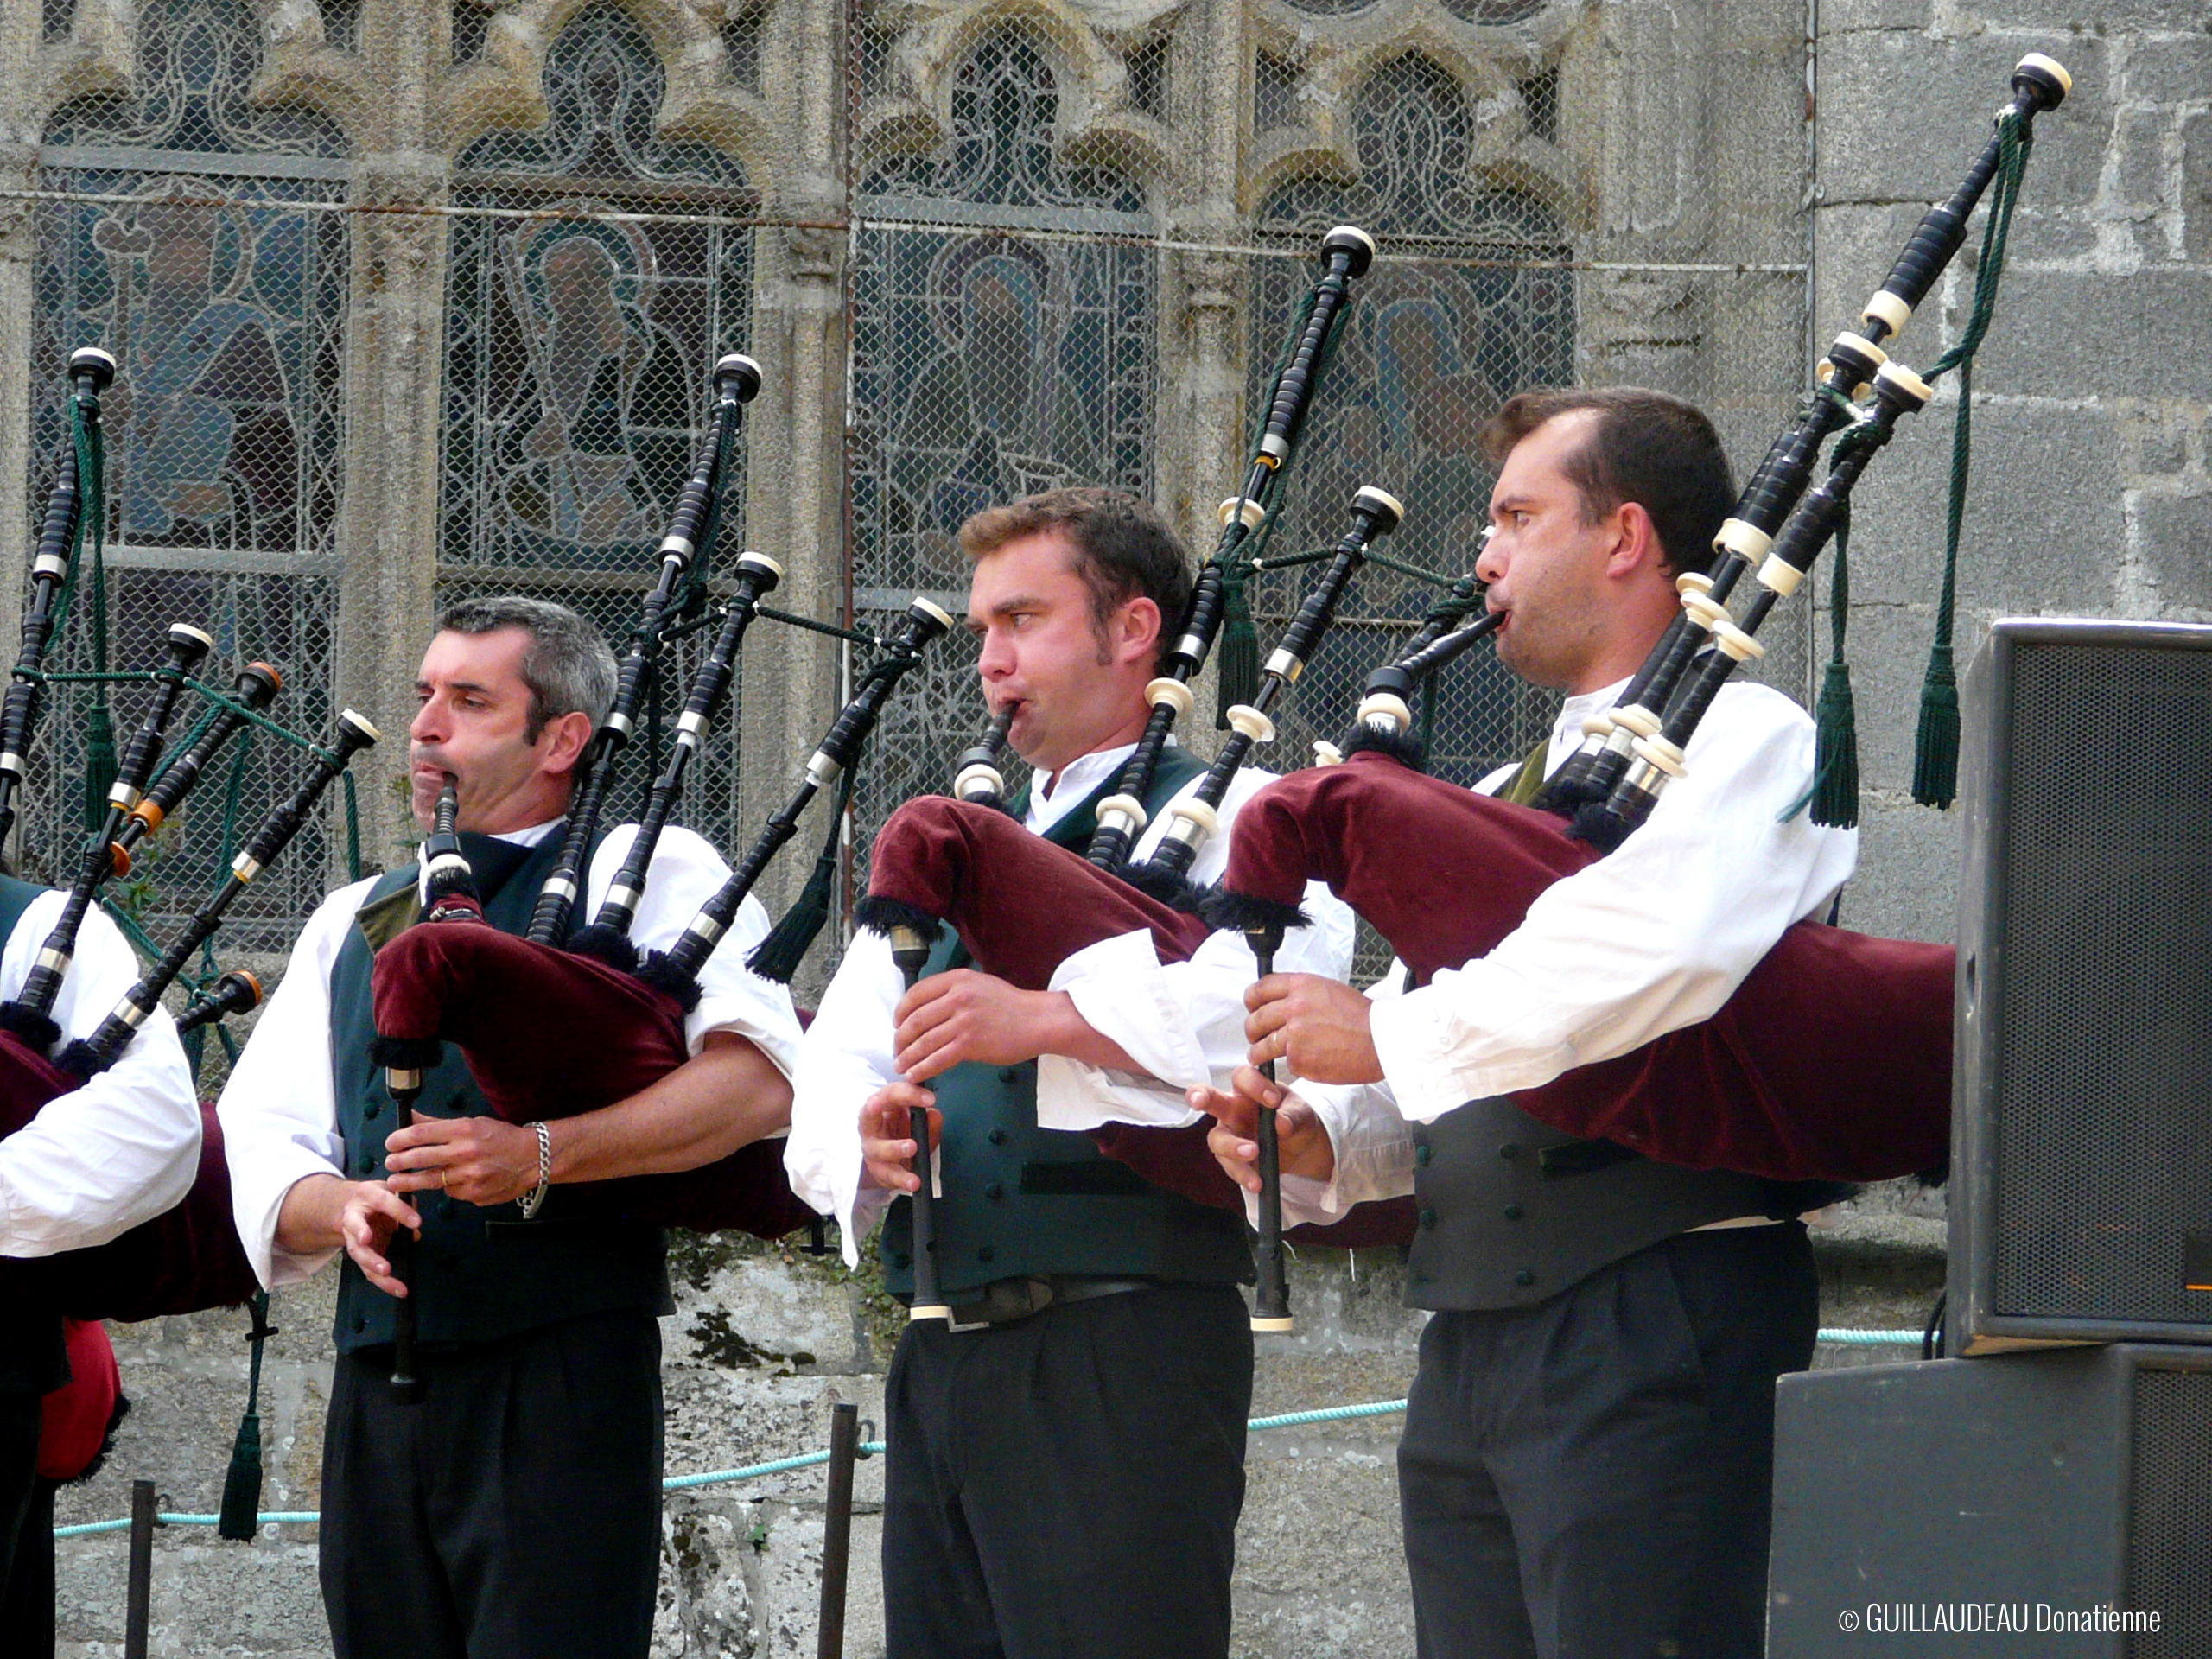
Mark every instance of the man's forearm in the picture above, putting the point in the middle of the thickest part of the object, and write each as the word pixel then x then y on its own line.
pixel 726 1096
pixel 1061 1030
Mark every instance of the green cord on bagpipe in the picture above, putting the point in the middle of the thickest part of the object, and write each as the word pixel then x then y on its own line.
pixel 1834 795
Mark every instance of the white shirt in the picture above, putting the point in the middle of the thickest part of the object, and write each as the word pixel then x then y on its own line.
pixel 1165 1018
pixel 123 1149
pixel 279 1110
pixel 1653 938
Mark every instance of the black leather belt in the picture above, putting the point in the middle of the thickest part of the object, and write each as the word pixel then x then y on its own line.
pixel 1005 1300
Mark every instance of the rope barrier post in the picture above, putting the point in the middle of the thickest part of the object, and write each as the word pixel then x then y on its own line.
pixel 139 1617
pixel 837 1528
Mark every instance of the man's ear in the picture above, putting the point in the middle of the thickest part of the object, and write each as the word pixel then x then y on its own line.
pixel 1639 547
pixel 563 740
pixel 1137 626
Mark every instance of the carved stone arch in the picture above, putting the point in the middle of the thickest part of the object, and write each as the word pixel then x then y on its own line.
pixel 505 87
pixel 299 65
pixel 1095 124
pixel 1503 148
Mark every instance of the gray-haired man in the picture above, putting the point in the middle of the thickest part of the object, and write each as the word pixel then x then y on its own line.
pixel 515 1509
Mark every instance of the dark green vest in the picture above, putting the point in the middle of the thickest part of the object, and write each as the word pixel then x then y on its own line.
pixel 34 1359
pixel 1019 1201
pixel 480 1273
pixel 1512 1212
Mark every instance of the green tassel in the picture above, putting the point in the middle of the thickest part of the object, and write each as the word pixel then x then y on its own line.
pixel 1935 752
pixel 777 956
pixel 239 1518
pixel 99 763
pixel 1835 753
pixel 1240 654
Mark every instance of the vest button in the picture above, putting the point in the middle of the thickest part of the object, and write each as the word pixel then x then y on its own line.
pixel 997 1137
pixel 986 1253
pixel 995 1191
pixel 371 1109
pixel 1009 1074
pixel 1513 1212
pixel 901 1259
pixel 1422 1154
pixel 1429 1220
pixel 1525 1278
pixel 361 1324
pixel 1509 1151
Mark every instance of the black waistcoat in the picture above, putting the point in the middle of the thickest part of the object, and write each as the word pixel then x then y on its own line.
pixel 480 1273
pixel 1017 1200
pixel 1512 1211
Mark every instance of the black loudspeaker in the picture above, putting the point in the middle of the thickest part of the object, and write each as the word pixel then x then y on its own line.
pixel 2082 1134
pixel 2051 1504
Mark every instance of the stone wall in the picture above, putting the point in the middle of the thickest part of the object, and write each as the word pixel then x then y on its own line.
pixel 2090 489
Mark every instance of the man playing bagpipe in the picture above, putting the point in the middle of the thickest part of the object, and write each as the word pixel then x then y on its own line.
pixel 1586 1463
pixel 95 1162
pixel 513 1505
pixel 1066 1462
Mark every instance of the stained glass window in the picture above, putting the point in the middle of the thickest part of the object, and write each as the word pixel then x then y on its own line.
pixel 191 233
pixel 991 358
pixel 597 270
pixel 1433 343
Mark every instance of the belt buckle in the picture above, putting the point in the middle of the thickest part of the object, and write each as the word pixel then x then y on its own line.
pixel 1005 1302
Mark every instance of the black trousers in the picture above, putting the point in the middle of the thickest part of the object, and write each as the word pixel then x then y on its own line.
pixel 1592 1478
pixel 513 1513
pixel 22 1417
pixel 27 1594
pixel 1068 1485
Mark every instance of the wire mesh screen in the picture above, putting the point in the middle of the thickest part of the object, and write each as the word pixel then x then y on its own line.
pixel 222 296
pixel 1022 253
pixel 596 272
pixel 1002 345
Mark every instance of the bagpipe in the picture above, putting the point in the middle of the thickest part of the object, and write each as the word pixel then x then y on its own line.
pixel 1831 1061
pixel 552 1025
pixel 188 1258
pixel 965 839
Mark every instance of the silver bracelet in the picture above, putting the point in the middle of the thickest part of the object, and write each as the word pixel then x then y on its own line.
pixel 534 1200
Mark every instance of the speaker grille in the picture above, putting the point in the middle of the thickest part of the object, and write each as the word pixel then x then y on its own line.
pixel 2170 1542
pixel 2104 1052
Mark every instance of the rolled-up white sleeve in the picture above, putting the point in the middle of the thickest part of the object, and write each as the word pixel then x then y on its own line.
pixel 844 1058
pixel 1182 1022
pixel 686 872
pixel 121 1148
pixel 1651 938
pixel 279 1110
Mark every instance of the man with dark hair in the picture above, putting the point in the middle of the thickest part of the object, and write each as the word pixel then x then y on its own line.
pixel 1585 1466
pixel 1066 1462
pixel 515 1507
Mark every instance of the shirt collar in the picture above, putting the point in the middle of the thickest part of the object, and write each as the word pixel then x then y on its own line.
pixel 1073 784
pixel 1567 730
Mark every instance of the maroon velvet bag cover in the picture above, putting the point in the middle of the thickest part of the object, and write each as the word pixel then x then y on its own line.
pixel 1832 1061
pixel 549 1033
pixel 183 1261
pixel 1021 906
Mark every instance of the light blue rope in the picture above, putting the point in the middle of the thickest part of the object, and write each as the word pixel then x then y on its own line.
pixel 875 1448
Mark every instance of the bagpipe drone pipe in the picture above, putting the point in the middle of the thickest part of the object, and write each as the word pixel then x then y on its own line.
pixel 551 1025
